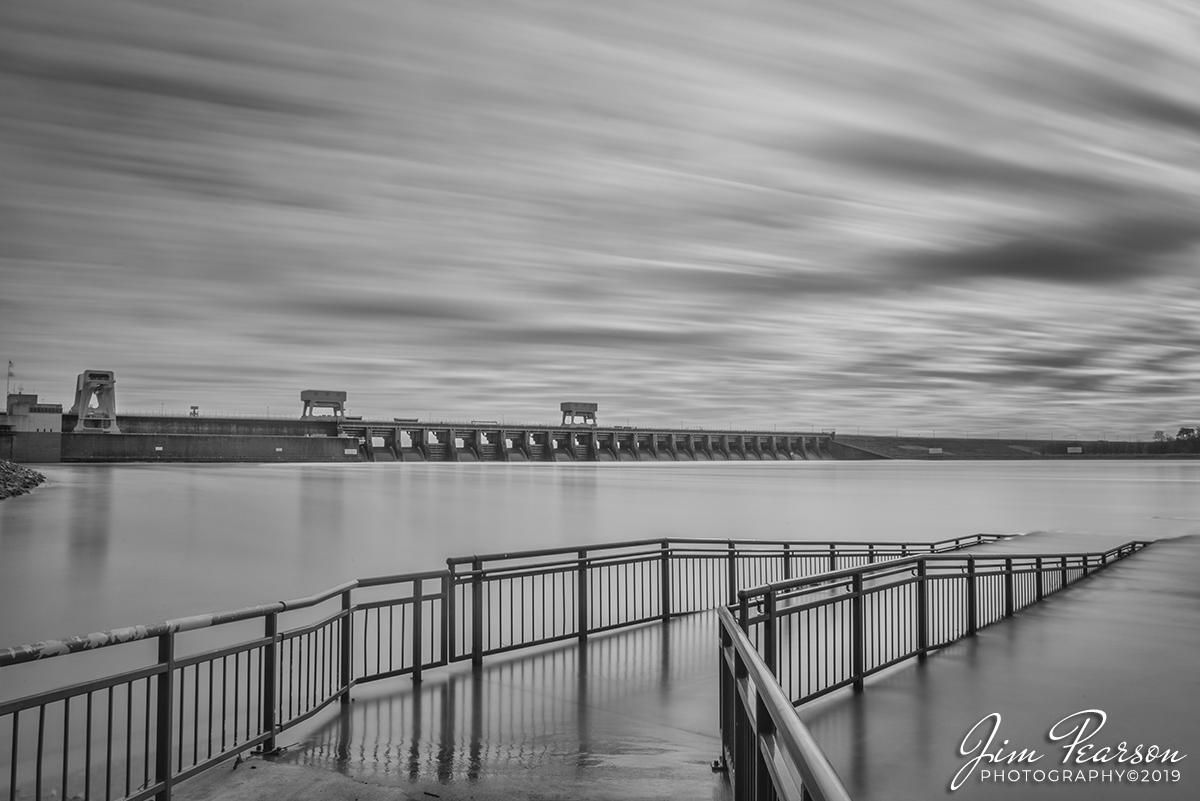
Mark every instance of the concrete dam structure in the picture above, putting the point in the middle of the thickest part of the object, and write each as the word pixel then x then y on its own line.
pixel 36 432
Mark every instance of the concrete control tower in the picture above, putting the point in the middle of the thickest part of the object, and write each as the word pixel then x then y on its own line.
pixel 102 386
pixel 573 410
pixel 323 399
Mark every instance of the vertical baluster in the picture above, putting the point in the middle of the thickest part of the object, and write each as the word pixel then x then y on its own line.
pixel 770 633
pixel 270 657
pixel 665 582
pixel 347 642
pixel 581 582
pixel 447 621
pixel 1008 586
pixel 857 632
pixel 418 602
pixel 731 571
pixel 165 728
pixel 972 599
pixel 477 613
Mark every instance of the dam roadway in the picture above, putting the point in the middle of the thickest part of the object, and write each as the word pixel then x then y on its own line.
pixel 343 439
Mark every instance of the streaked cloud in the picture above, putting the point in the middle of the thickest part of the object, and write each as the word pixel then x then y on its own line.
pixel 908 213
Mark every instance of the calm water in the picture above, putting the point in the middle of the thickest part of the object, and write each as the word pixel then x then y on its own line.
pixel 113 545
pixel 110 545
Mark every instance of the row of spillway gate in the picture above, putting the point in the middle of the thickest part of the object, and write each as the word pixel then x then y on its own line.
pixel 439 443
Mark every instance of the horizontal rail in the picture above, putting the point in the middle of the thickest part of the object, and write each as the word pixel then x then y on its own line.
pixel 772 743
pixel 822 633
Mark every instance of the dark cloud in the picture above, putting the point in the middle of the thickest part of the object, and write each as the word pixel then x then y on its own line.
pixel 1106 253
pixel 1058 380
pixel 740 282
pixel 1099 89
pixel 1052 360
pixel 604 337
pixel 941 164
pixel 382 308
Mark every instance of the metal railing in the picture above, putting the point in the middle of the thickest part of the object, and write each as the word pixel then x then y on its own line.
pixel 811 636
pixel 773 754
pixel 162 719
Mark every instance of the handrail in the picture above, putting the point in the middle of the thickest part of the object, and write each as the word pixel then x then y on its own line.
pixel 490 557
pixel 818 779
pixel 834 575
pixel 899 609
pixel 13 655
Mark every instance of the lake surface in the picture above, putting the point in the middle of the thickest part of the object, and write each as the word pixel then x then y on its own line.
pixel 111 545
pixel 114 545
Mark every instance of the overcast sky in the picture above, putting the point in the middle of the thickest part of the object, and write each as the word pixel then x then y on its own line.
pixel 889 214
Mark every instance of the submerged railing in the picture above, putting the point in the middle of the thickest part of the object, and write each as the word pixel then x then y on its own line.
pixel 799 639
pixel 200 699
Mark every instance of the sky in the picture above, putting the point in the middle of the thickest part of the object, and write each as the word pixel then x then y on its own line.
pixel 912 215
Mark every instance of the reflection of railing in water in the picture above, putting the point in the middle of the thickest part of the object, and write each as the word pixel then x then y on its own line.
pixel 134 734
pixel 797 640
pixel 473 723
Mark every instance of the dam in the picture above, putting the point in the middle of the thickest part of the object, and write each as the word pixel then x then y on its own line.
pixel 92 430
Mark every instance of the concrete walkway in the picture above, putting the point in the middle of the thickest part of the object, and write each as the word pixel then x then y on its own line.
pixel 632 716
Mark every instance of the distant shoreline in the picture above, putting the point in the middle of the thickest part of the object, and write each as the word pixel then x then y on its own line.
pixel 1005 448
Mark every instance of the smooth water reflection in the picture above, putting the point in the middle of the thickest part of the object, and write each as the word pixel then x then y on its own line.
pixel 114 545
pixel 634 707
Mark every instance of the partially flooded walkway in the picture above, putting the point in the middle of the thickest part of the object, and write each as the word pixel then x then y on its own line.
pixel 1126 642
pixel 634 715
pixel 631 716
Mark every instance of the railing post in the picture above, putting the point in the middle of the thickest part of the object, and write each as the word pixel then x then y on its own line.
pixel 832 557
pixel 1063 562
pixel 165 727
pixel 418 615
pixel 1085 564
pixel 770 647
pixel 664 584
pixel 1038 585
pixel 787 561
pixel 731 570
pixel 449 624
pixel 477 613
pixel 765 726
pixel 744 615
pixel 582 604
pixel 922 608
pixel 858 632
pixel 972 600
pixel 347 645
pixel 270 661
pixel 1008 586
pixel 870 554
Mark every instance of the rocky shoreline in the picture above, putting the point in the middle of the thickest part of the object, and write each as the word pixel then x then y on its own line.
pixel 17 480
